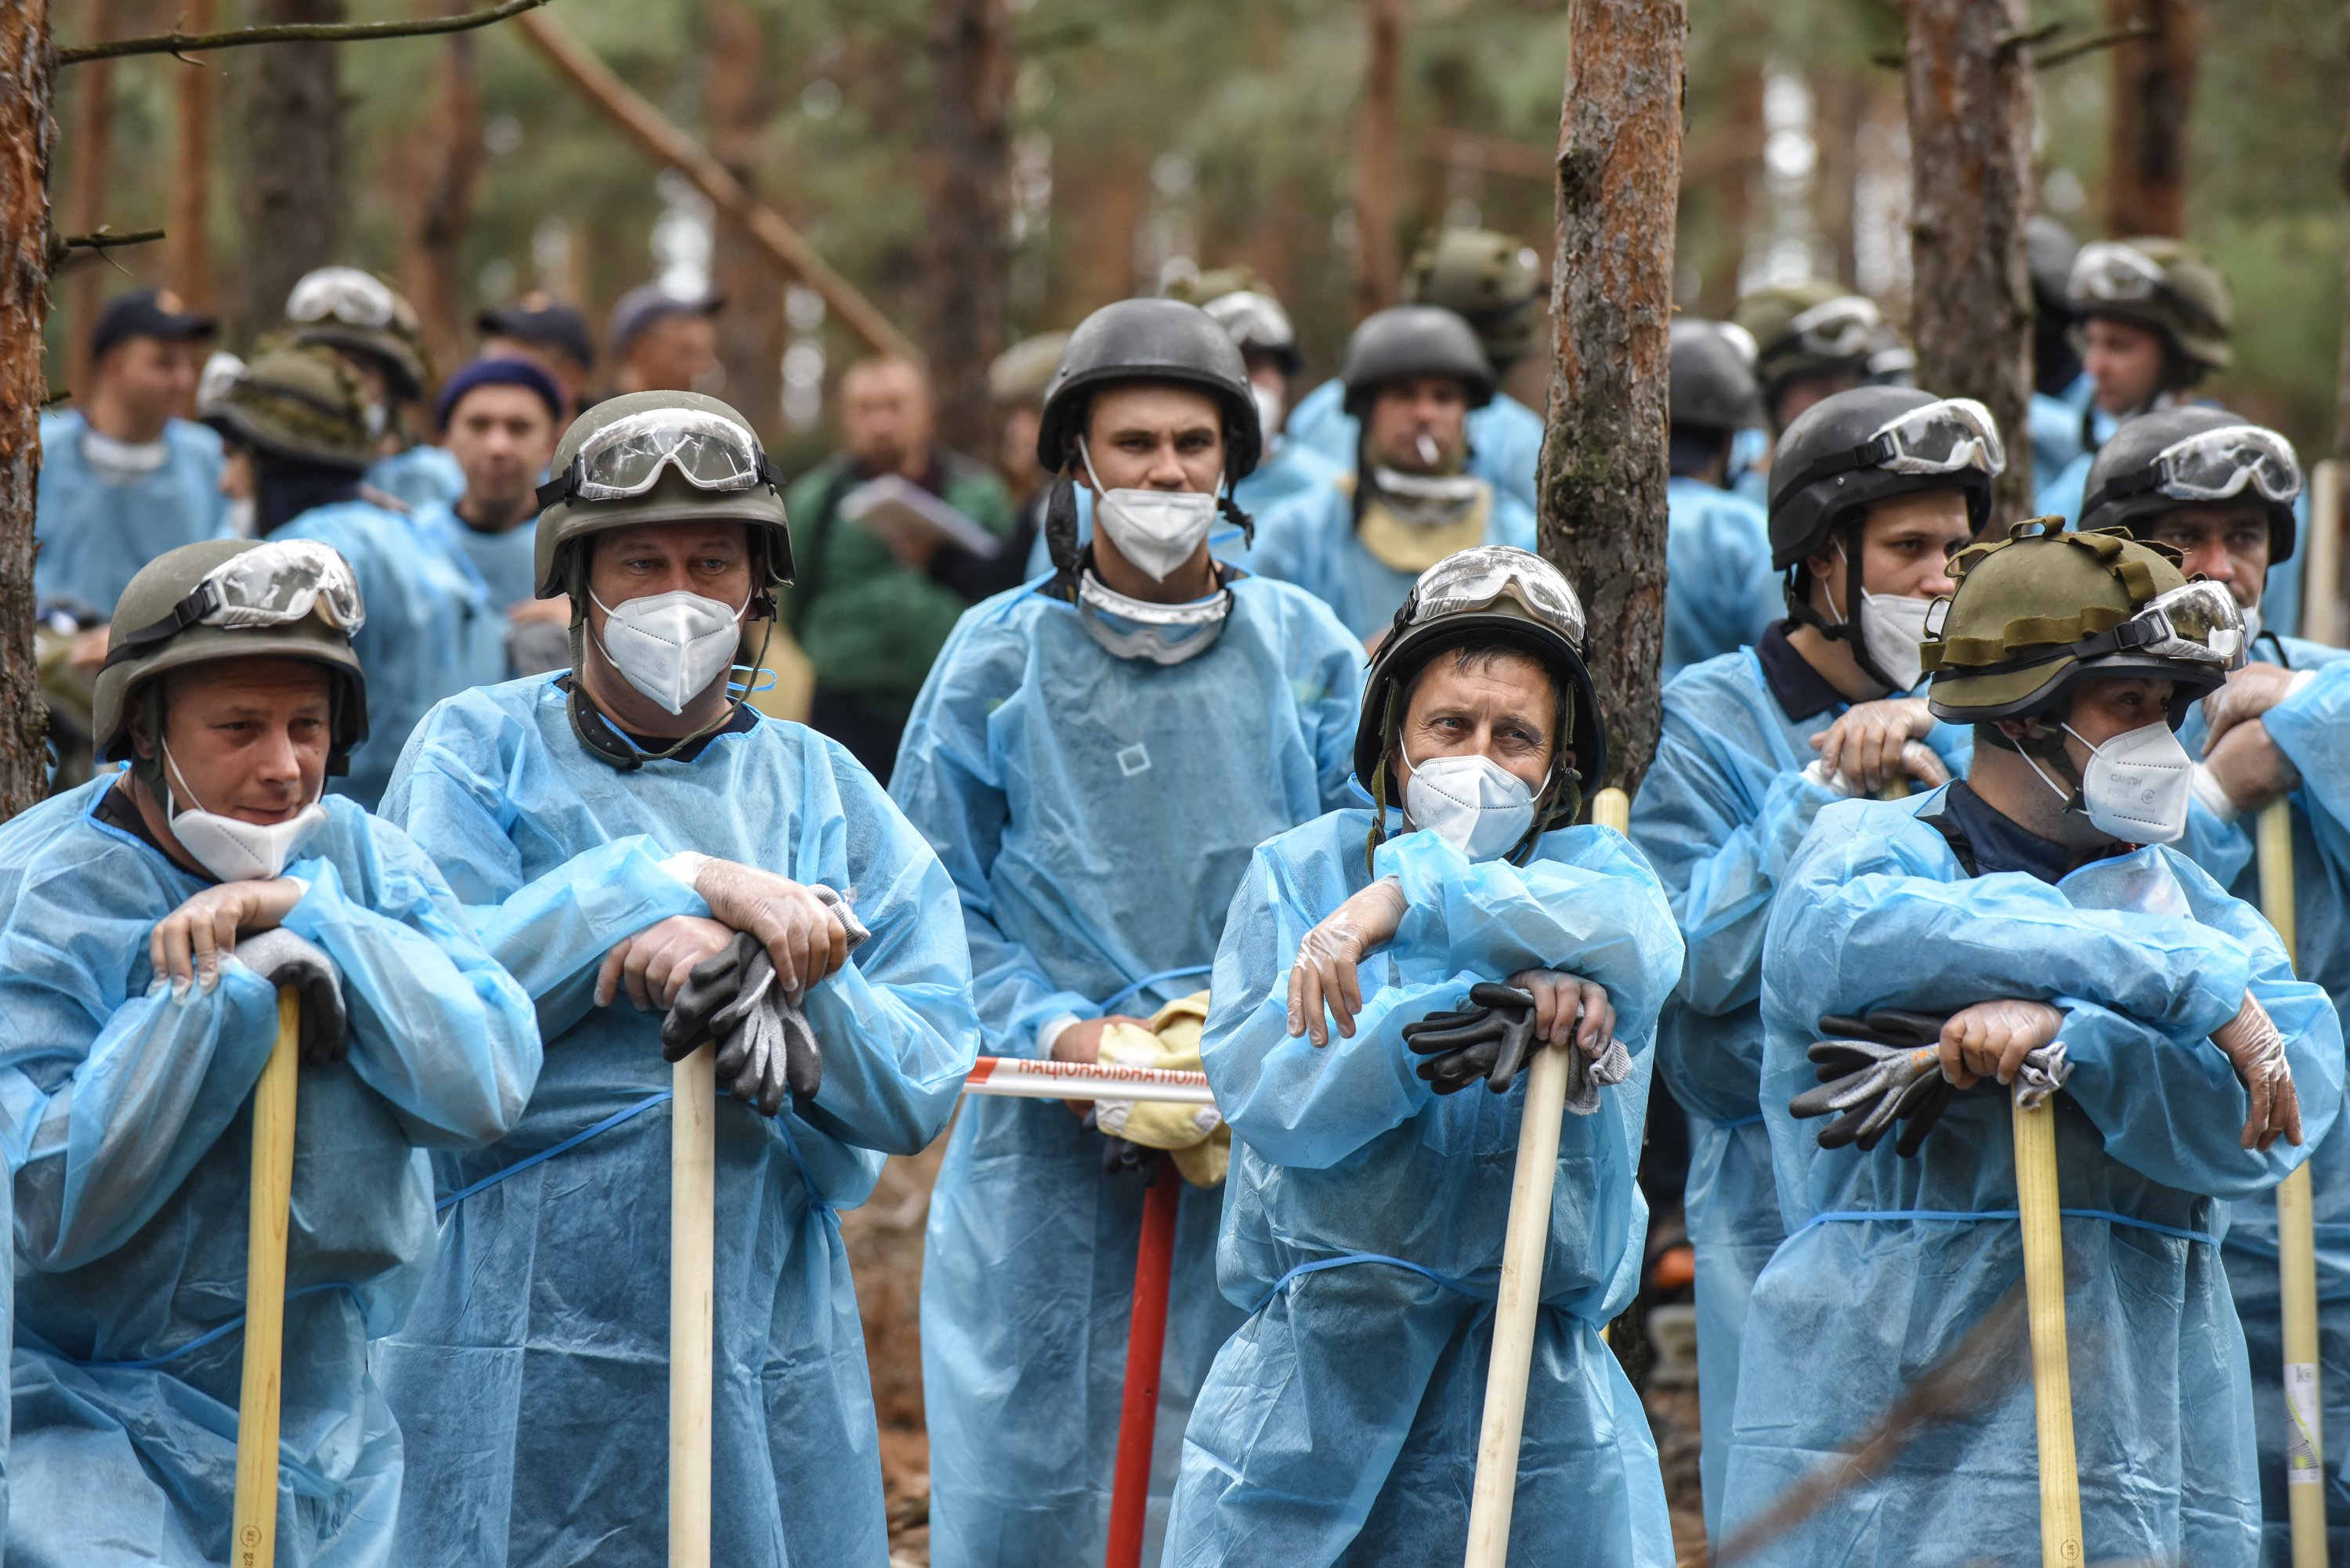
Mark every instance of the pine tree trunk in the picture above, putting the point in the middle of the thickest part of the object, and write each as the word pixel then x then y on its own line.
pixel 1377 266
pixel 447 169
pixel 28 65
pixel 2153 94
pixel 290 189
pixel 1603 468
pixel 1969 84
pixel 751 332
pixel 190 228
pixel 967 179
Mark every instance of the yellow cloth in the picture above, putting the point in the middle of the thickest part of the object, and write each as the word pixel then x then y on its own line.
pixel 1195 1136
pixel 1405 547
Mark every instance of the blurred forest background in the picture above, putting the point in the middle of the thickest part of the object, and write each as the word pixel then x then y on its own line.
pixel 1138 141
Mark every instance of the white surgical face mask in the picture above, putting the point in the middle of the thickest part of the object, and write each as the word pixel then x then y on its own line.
pixel 231 848
pixel 1472 803
pixel 2251 625
pixel 238 517
pixel 2138 785
pixel 1157 530
pixel 1270 405
pixel 672 646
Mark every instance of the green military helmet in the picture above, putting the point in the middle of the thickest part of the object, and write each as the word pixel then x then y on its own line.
pixel 1021 372
pixel 1244 305
pixel 1488 279
pixel 2036 614
pixel 2165 285
pixel 346 308
pixel 1817 328
pixel 233 598
pixel 657 457
pixel 1215 283
pixel 300 403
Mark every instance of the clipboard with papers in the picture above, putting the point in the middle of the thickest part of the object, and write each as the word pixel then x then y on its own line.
pixel 896 507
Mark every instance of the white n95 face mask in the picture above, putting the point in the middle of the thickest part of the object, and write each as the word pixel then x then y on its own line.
pixel 1892 627
pixel 1472 803
pixel 1157 530
pixel 2138 785
pixel 231 848
pixel 672 646
pixel 1270 405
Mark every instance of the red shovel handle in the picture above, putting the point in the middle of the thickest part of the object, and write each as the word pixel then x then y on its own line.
pixel 1145 1343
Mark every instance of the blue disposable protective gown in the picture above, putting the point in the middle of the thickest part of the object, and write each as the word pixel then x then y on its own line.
pixel 1097 814
pixel 1365 1213
pixel 422 476
pixel 1720 589
pixel 2312 729
pixel 125 1112
pixel 533 1377
pixel 1506 438
pixel 1720 815
pixel 1889 1261
pixel 431 632
pixel 1310 540
pixel 504 562
pixel 96 533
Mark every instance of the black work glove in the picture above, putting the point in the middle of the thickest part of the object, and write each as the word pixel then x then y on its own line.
pixel 281 958
pixel 1490 1039
pixel 765 1044
pixel 1120 1158
pixel 1877 1071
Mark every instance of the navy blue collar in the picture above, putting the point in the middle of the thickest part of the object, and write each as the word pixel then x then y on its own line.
pixel 1986 841
pixel 1801 690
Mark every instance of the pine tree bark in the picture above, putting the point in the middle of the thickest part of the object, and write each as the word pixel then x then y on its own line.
pixel 447 172
pixel 1603 467
pixel 1378 266
pixel 290 188
pixel 967 179
pixel 190 228
pixel 1970 81
pixel 751 332
pixel 2153 95
pixel 92 164
pixel 28 65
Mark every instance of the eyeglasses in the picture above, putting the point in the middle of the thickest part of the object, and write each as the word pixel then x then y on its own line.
pixel 275 583
pixel 345 295
pixel 2214 466
pixel 1473 579
pixel 627 457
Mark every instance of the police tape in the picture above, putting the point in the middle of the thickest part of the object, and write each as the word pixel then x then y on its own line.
pixel 1022 1078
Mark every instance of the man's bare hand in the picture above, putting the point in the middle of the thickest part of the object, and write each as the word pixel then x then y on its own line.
pixel 653 965
pixel 187 943
pixel 1990 1039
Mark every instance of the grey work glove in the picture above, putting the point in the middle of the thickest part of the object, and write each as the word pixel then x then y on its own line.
pixel 766 1045
pixel 1887 1067
pixel 282 959
pixel 1493 1039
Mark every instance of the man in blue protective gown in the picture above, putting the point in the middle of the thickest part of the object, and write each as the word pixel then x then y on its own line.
pixel 1357 543
pixel 1493 282
pixel 500 419
pixel 2222 491
pixel 375 331
pixel 1374 1151
pixel 295 425
pixel 1754 744
pixel 124 475
pixel 631 825
pixel 1719 590
pixel 147 920
pixel 1095 758
pixel 2010 930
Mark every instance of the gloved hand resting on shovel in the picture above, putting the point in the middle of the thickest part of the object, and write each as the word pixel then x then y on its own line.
pixel 764 1042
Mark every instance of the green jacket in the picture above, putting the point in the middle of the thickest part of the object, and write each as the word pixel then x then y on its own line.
pixel 871 626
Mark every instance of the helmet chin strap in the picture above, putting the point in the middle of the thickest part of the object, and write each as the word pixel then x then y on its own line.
pixel 1845 626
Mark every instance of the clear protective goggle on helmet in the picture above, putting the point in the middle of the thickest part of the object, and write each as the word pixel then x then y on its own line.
pixel 2198 622
pixel 2214 466
pixel 1254 320
pixel 275 583
pixel 1473 579
pixel 627 457
pixel 342 294
pixel 1939 438
pixel 1841 328
pixel 2110 270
